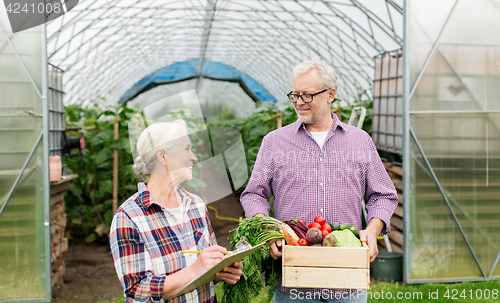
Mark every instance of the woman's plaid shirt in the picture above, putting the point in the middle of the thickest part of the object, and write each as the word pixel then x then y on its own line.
pixel 146 241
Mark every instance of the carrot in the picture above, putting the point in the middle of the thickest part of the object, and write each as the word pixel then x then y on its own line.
pixel 290 236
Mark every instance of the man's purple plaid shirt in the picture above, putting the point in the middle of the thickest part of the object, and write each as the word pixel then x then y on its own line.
pixel 308 181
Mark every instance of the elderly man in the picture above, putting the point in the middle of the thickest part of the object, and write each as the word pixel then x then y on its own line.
pixel 320 166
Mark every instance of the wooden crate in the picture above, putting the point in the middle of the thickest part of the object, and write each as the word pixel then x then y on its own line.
pixel 326 267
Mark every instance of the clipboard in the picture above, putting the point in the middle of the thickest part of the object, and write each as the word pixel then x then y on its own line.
pixel 209 275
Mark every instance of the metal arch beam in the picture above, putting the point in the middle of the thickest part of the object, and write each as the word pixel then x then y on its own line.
pixel 102 41
pixel 372 43
pixel 110 63
pixel 353 94
pixel 366 77
pixel 79 16
pixel 88 41
pixel 395 6
pixel 367 41
pixel 100 19
pixel 336 14
pixel 315 15
pixel 372 17
pixel 254 76
pixel 209 19
pixel 343 59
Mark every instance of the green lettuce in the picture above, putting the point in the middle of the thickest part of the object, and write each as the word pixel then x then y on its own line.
pixel 345 238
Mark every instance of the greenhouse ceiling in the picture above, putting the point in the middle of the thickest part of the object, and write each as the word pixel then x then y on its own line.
pixel 105 47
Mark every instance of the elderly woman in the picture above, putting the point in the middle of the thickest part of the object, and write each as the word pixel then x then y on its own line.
pixel 152 227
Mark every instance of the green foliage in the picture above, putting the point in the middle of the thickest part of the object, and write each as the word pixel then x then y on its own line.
pixel 259 262
pixel 98 130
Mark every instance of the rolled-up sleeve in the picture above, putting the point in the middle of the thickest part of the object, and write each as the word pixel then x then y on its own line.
pixel 255 198
pixel 381 195
pixel 132 262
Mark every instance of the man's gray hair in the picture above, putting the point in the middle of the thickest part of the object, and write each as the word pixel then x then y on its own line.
pixel 326 72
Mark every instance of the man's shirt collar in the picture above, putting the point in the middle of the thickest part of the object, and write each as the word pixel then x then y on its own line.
pixel 336 123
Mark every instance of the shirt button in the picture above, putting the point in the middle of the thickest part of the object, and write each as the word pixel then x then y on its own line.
pixel 320 159
pixel 321 184
pixel 321 210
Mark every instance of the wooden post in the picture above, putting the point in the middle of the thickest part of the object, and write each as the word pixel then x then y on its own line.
pixel 338 113
pixel 279 118
pixel 115 168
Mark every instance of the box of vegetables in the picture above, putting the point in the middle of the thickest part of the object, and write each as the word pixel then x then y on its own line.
pixel 323 255
pixel 318 256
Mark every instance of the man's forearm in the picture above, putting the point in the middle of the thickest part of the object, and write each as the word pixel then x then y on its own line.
pixel 375 226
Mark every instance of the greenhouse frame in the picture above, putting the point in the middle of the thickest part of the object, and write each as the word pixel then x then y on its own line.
pixel 235 53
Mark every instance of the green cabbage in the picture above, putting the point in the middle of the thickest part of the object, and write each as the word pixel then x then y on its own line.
pixel 345 238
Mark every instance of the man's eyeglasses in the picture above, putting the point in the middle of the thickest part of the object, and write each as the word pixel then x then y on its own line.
pixel 306 98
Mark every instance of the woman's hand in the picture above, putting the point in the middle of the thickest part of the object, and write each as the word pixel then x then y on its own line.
pixel 207 258
pixel 230 274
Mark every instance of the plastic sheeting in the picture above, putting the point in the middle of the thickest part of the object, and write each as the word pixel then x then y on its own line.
pixel 188 69
pixel 107 46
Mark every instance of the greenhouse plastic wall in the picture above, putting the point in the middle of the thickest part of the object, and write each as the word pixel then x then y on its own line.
pixel 24 185
pixel 452 140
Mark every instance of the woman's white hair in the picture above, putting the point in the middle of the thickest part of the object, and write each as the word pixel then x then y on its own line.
pixel 157 136
pixel 325 70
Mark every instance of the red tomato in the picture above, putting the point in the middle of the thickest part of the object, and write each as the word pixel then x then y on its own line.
pixel 302 242
pixel 320 220
pixel 326 227
pixel 324 233
pixel 314 224
pixel 302 221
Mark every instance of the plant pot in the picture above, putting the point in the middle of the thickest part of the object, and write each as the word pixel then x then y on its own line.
pixel 388 266
pixel 55 168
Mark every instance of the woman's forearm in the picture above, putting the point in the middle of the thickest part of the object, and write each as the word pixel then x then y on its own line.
pixel 175 282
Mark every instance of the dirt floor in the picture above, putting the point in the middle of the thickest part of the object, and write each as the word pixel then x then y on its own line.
pixel 90 274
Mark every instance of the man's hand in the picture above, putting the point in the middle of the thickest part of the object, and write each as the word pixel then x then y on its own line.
pixel 230 274
pixel 275 249
pixel 370 234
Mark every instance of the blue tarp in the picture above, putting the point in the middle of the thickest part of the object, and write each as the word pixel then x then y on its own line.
pixel 189 69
